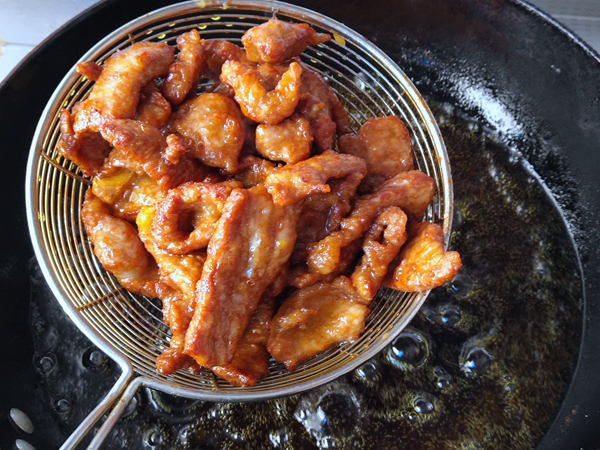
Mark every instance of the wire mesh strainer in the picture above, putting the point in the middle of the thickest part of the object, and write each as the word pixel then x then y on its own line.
pixel 128 327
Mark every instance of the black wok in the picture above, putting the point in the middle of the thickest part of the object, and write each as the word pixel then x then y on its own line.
pixel 518 100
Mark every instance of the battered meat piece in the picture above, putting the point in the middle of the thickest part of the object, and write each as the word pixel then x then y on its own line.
pixel 381 245
pixel 184 74
pixel 118 247
pixel 276 41
pixel 141 148
pixel 216 52
pixel 321 107
pixel 85 148
pixel 424 264
pixel 180 272
pixel 411 191
pixel 153 109
pixel 185 220
pixel 253 171
pixel 125 191
pixel 214 129
pixel 294 182
pixel 289 141
pixel 322 214
pixel 89 69
pixel 314 319
pixel 253 239
pixel 115 95
pixel 258 103
pixel 250 362
pixel 384 143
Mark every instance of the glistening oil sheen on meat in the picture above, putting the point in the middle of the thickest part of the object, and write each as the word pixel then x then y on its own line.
pixel 484 365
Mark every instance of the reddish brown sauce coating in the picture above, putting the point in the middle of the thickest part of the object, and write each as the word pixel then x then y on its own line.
pixel 218 202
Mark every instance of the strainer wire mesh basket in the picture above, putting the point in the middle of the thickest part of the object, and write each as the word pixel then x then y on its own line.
pixel 129 328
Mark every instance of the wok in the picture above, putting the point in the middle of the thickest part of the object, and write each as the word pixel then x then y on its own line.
pixel 517 98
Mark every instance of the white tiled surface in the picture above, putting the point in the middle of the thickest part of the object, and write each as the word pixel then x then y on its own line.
pixel 26 23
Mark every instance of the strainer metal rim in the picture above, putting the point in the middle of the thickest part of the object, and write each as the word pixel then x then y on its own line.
pixel 32 195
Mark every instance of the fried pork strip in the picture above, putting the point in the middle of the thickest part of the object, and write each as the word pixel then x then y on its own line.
pixel 184 74
pixel 213 128
pixel 253 239
pixel 250 362
pixel 142 149
pixel 294 182
pixel 256 101
pixel 314 319
pixel 381 245
pixel 423 262
pixel 115 95
pixel 411 191
pixel 384 143
pixel 276 41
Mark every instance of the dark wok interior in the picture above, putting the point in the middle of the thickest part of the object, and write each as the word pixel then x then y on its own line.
pixel 504 357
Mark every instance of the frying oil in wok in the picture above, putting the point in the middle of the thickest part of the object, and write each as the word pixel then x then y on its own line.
pixel 485 363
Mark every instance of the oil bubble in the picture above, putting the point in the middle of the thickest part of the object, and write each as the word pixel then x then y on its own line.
pixel 279 438
pixel 443 377
pixel 424 406
pixel 368 373
pixel 93 359
pixel 476 361
pixel 408 351
pixel 330 412
pixel 48 364
pixel 461 285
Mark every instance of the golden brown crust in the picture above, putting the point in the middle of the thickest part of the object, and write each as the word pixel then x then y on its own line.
pixel 384 143
pixel 295 182
pixel 184 74
pixel 253 239
pixel 423 262
pixel 258 103
pixel 411 191
pixel 214 130
pixel 381 245
pixel 276 41
pixel 315 319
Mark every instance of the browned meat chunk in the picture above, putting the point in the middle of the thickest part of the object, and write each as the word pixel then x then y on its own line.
pixel 253 239
pixel 411 191
pixel 216 52
pixel 424 263
pixel 180 272
pixel 119 248
pixel 257 102
pixel 384 143
pixel 213 126
pixel 276 41
pixel 115 95
pixel 125 191
pixel 289 141
pixel 141 148
pixel 185 220
pixel 184 74
pixel 295 182
pixel 321 107
pixel 253 171
pixel 153 109
pixel 314 319
pixel 381 245
pixel 250 362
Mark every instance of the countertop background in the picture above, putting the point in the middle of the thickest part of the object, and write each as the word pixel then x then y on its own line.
pixel 26 23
